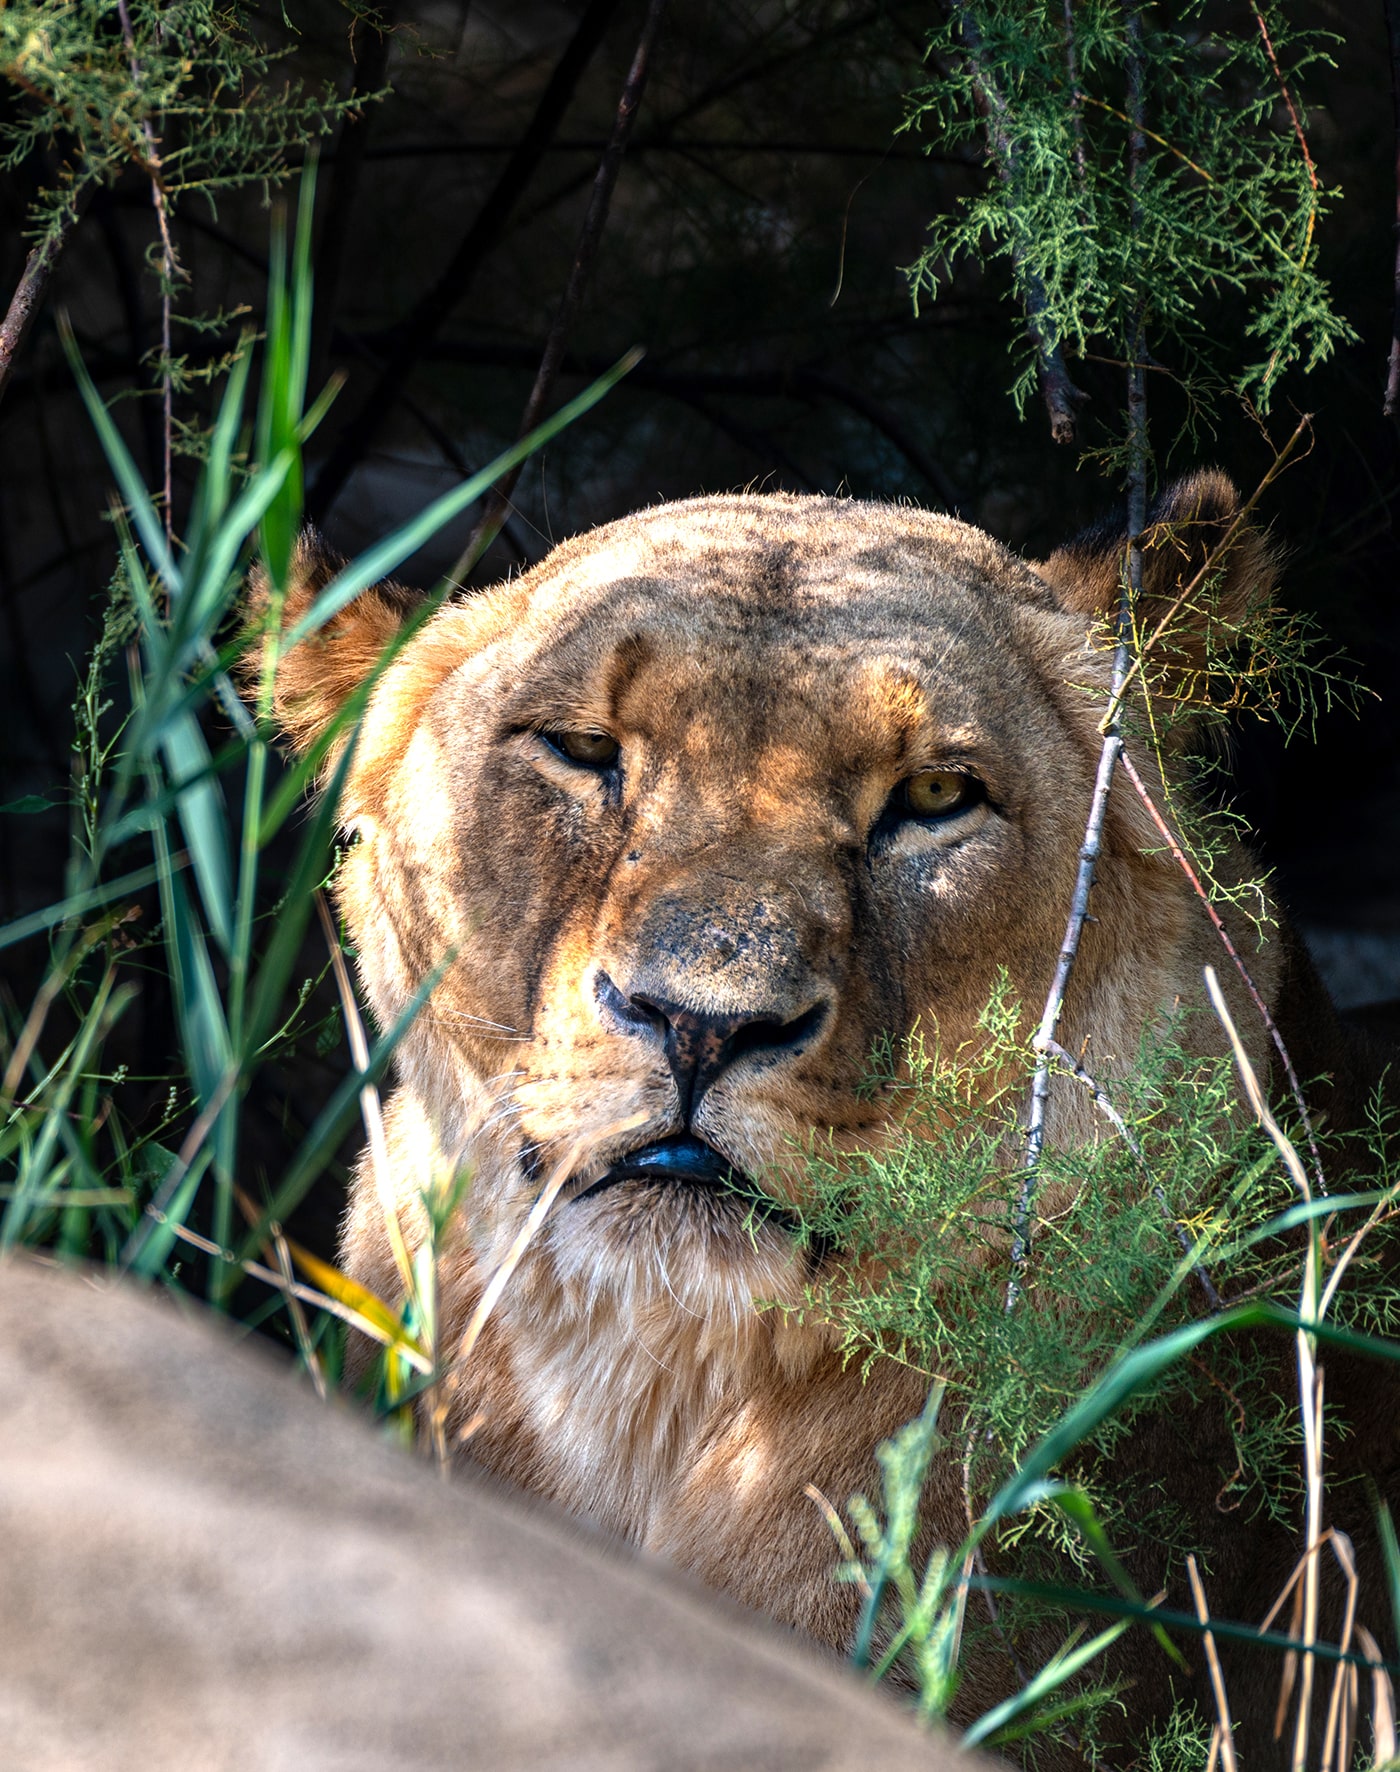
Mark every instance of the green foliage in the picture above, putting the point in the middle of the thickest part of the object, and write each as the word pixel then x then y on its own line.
pixel 181 89
pixel 1134 1232
pixel 930 1214
pixel 1104 245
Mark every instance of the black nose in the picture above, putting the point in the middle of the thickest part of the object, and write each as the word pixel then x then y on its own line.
pixel 700 1046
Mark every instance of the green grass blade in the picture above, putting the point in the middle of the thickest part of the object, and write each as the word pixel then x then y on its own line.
pixel 334 1121
pixel 1110 1605
pixel 143 513
pixel 198 1005
pixel 204 820
pixel 1060 1668
pixel 312 862
pixel 77 905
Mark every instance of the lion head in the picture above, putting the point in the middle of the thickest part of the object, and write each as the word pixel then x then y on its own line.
pixel 690 817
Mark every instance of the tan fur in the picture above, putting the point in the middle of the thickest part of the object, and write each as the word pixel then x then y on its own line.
pixel 773 667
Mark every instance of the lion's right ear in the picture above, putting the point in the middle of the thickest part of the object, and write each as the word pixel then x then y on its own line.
pixel 318 675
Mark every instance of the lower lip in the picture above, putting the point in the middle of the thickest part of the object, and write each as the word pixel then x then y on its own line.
pixel 681 1159
pixel 692 1164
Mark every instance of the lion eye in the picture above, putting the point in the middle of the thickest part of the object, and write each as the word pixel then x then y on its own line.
pixel 939 793
pixel 593 750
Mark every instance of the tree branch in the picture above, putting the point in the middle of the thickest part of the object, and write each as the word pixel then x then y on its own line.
pixel 33 285
pixel 594 221
pixel 421 324
pixel 346 165
pixel 1057 387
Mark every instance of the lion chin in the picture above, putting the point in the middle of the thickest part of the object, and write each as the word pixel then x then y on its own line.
pixel 692 817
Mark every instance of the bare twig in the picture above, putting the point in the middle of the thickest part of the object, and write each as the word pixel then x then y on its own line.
pixel 170 271
pixel 1224 1726
pixel 29 293
pixel 421 324
pixel 1183 862
pixel 594 221
pixel 1057 387
pixel 1089 850
pixel 278 1251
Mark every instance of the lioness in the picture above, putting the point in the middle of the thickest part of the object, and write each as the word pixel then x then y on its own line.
pixel 694 812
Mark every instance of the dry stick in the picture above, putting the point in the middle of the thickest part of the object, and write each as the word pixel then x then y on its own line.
pixel 370 1108
pixel 275 1235
pixel 594 221
pixel 1057 388
pixel 169 270
pixel 1224 1726
pixel 29 292
pixel 1184 863
pixel 1336 1743
pixel 1090 848
pixel 1392 385
pixel 1309 1373
pixel 321 1301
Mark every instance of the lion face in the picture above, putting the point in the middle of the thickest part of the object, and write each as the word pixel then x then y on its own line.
pixel 693 816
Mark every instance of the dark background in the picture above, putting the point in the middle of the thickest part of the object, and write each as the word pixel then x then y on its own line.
pixel 754 246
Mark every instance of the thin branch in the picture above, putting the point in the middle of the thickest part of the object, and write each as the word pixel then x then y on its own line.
pixel 594 221
pixel 1057 387
pixel 421 324
pixel 1092 845
pixel 371 66
pixel 33 285
pixel 1184 863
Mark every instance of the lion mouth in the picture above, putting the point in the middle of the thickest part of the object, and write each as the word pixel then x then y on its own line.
pixel 689 1162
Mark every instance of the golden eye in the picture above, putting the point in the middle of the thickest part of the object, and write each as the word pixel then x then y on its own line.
pixel 593 750
pixel 939 793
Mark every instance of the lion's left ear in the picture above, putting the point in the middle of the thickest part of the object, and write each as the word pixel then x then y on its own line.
pixel 1185 529
pixel 316 677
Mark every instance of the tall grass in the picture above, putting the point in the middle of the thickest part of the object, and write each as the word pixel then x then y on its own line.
pixel 160 804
